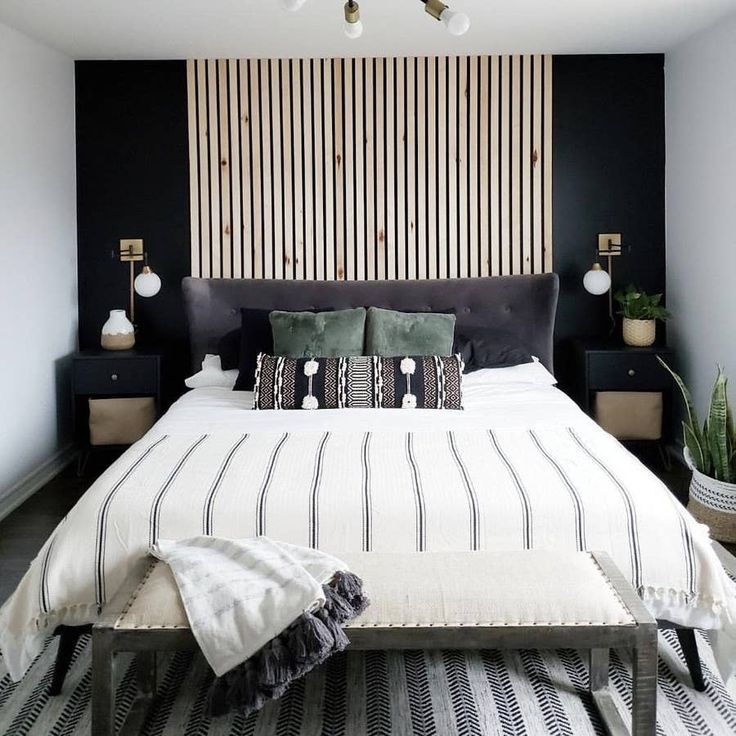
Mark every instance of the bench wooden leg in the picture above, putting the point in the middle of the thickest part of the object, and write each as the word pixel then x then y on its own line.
pixel 599 669
pixel 145 663
pixel 103 685
pixel 644 707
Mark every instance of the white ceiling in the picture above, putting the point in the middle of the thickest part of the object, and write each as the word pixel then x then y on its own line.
pixel 175 29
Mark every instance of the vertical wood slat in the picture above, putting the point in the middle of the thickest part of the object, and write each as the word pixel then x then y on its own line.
pixel 370 168
pixel 226 229
pixel 245 169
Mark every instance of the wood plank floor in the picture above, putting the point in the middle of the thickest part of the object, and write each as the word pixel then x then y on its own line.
pixel 23 532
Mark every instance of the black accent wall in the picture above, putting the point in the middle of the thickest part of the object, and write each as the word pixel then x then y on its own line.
pixel 133 181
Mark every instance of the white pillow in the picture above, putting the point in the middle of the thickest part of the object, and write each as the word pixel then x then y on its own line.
pixel 533 373
pixel 212 375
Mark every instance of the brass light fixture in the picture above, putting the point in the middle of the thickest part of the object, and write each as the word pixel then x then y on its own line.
pixel 456 23
pixel 147 283
pixel 597 281
pixel 353 26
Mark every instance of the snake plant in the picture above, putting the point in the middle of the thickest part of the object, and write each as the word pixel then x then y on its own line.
pixel 712 447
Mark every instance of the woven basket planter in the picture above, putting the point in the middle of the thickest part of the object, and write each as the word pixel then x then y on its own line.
pixel 639 333
pixel 713 502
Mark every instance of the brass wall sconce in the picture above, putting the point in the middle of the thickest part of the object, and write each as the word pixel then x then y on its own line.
pixel 147 283
pixel 597 281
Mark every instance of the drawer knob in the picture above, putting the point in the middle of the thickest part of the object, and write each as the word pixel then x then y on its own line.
pixel 632 372
pixel 114 377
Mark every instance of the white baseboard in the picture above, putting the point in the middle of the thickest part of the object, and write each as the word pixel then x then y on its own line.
pixel 35 480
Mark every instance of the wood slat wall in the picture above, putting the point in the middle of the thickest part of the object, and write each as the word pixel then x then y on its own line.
pixel 370 168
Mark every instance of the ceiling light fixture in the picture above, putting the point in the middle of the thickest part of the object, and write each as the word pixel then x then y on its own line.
pixel 353 27
pixel 456 23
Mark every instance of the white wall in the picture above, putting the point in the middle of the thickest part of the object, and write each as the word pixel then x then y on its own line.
pixel 700 93
pixel 38 251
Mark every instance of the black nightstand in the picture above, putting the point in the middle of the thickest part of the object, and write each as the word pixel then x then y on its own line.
pixel 612 366
pixel 109 374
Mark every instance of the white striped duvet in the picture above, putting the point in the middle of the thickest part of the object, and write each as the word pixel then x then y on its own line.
pixel 349 480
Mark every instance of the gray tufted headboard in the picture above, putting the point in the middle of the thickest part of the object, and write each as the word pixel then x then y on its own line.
pixel 522 305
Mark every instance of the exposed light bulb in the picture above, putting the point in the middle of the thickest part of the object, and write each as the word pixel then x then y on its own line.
pixel 597 281
pixel 147 283
pixel 353 30
pixel 292 5
pixel 456 23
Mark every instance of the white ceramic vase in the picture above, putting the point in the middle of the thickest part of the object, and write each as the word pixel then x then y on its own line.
pixel 118 332
pixel 639 333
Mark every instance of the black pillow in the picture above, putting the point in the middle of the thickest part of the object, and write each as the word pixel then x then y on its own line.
pixel 486 347
pixel 228 348
pixel 255 337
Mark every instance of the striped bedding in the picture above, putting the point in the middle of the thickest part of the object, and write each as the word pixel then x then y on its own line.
pixel 521 468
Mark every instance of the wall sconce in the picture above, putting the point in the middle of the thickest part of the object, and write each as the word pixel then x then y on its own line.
pixel 146 283
pixel 597 281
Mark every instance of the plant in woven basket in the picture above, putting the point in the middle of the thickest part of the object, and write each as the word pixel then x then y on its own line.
pixel 712 446
pixel 637 304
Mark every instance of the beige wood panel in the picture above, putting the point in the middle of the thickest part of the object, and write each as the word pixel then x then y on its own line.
pixel 370 168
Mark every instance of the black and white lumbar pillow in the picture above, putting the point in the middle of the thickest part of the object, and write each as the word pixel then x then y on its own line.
pixel 362 381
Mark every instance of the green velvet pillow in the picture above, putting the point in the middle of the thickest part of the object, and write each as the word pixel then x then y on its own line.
pixel 318 334
pixel 390 333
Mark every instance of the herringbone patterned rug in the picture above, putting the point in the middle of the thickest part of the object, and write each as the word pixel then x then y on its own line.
pixel 377 693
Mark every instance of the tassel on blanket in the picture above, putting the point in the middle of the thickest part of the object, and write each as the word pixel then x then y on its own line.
pixel 308 642
pixel 239 688
pixel 340 610
pixel 333 626
pixel 350 587
pixel 275 663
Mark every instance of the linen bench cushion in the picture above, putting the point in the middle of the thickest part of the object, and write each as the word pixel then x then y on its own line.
pixel 435 589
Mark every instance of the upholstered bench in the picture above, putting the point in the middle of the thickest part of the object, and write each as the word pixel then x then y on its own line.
pixel 466 600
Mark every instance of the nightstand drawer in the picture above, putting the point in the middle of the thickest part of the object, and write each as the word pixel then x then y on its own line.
pixel 626 371
pixel 108 376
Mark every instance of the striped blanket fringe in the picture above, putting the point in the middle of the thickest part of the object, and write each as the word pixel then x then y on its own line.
pixel 306 643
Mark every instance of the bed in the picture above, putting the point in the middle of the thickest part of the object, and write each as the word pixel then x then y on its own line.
pixel 521 467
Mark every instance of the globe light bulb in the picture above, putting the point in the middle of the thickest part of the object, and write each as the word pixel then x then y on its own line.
pixel 597 281
pixel 353 30
pixel 292 5
pixel 147 283
pixel 456 23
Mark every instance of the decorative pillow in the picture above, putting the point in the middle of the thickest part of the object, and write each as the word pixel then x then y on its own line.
pixel 212 375
pixel 367 381
pixel 228 348
pixel 253 337
pixel 318 334
pixel 390 333
pixel 486 347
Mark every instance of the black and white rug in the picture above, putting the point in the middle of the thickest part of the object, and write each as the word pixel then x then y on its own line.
pixel 377 693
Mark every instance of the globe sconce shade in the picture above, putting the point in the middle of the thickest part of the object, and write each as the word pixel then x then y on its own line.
pixel 455 22
pixel 147 283
pixel 597 281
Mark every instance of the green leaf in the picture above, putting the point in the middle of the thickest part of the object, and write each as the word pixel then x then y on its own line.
pixel 695 448
pixel 692 416
pixel 717 436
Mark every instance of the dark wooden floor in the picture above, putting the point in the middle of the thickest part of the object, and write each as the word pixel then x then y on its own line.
pixel 24 531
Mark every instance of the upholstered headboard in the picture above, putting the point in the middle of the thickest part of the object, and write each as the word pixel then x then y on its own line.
pixel 522 305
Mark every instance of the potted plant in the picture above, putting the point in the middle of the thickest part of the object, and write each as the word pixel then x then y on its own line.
pixel 640 311
pixel 710 452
